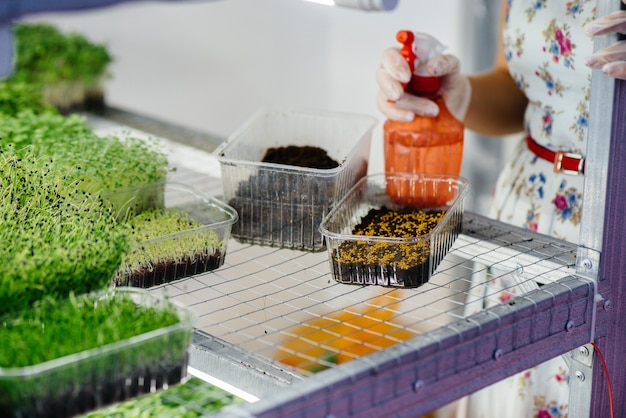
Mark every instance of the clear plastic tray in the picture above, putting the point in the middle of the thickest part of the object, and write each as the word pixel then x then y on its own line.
pixel 283 205
pixel 177 255
pixel 384 260
pixel 193 398
pixel 94 378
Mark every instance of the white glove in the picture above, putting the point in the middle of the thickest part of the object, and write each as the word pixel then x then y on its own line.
pixel 611 60
pixel 396 104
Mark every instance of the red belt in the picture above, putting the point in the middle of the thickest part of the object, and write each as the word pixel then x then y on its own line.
pixel 564 162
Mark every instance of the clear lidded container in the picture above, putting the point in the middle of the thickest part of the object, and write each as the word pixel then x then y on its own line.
pixel 282 205
pixel 198 243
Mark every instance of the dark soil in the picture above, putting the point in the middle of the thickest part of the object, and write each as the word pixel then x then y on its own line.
pixel 282 209
pixel 170 270
pixel 93 103
pixel 300 156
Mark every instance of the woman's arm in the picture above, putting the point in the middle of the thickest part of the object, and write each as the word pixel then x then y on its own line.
pixel 497 105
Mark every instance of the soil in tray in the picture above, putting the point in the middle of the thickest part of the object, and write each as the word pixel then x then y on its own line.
pixel 93 102
pixel 283 210
pixel 171 270
pixel 301 156
pixel 398 264
pixel 187 249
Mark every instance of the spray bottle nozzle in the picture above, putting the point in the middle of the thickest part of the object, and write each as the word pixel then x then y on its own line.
pixel 406 38
pixel 419 47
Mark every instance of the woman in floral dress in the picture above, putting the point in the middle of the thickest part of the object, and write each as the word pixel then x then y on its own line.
pixel 545 46
pixel 540 86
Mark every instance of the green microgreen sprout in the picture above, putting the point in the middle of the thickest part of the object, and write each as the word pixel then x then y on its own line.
pixel 193 398
pixel 165 235
pixel 99 163
pixel 62 237
pixel 53 329
pixel 91 349
pixel 18 96
pixel 57 237
pixel 66 66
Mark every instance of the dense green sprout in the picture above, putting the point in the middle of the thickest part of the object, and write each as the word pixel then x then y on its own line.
pixel 17 96
pixel 45 55
pixel 186 239
pixel 194 398
pixel 62 358
pixel 57 240
pixel 53 170
pixel 67 69
pixel 53 329
pixel 100 163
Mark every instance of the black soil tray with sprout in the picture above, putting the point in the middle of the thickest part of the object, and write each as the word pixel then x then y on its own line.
pixel 372 239
pixel 408 263
pixel 187 234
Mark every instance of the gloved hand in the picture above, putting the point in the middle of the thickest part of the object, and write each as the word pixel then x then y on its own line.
pixel 396 104
pixel 611 60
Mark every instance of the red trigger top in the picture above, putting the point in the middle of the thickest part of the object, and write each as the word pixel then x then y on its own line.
pixel 406 38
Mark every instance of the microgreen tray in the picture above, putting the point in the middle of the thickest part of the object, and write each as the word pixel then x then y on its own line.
pixel 91 378
pixel 193 398
pixel 175 232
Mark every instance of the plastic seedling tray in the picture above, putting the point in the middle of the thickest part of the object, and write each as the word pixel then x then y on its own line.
pixel 384 258
pixel 282 205
pixel 193 398
pixel 184 234
pixel 86 380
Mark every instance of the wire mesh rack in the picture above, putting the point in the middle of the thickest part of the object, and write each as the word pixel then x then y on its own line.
pixel 283 308
pixel 274 323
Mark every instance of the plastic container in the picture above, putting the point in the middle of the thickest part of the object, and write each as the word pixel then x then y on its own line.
pixel 429 145
pixel 94 378
pixel 381 259
pixel 176 255
pixel 283 205
pixel 194 398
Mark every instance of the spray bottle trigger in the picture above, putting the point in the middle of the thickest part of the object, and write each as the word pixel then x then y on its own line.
pixel 406 38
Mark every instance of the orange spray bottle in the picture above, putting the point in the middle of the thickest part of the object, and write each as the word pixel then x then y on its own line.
pixel 427 145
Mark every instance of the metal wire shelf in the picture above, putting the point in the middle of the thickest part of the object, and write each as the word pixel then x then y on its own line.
pixel 274 323
pixel 276 305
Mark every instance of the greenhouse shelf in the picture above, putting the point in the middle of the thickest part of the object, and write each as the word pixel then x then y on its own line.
pixel 371 350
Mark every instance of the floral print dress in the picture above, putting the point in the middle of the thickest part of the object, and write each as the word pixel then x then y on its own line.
pixel 545 46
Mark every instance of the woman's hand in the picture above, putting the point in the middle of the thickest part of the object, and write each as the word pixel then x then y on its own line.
pixel 396 104
pixel 611 60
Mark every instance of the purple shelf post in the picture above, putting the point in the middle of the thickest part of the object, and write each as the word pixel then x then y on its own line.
pixel 612 280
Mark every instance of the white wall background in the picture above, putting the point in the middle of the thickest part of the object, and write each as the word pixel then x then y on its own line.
pixel 209 65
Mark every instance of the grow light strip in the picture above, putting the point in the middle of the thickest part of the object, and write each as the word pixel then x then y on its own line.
pixel 369 5
pixel 222 385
